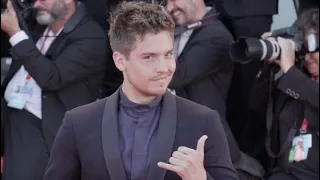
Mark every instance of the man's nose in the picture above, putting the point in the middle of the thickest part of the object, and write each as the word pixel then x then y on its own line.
pixel 36 4
pixel 170 6
pixel 163 66
pixel 307 56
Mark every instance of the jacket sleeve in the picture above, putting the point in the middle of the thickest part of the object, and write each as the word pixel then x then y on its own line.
pixel 299 86
pixel 217 160
pixel 64 163
pixel 81 58
pixel 203 58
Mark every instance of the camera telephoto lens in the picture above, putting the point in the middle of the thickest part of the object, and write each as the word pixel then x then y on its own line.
pixel 247 49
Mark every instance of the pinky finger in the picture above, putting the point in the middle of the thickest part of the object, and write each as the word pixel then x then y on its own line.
pixel 170 167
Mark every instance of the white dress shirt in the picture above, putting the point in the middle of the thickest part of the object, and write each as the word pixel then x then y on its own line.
pixel 19 79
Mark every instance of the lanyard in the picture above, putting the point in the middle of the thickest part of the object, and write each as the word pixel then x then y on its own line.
pixel 304 126
pixel 198 24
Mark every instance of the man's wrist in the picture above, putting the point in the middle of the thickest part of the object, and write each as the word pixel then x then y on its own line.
pixel 17 38
pixel 14 31
pixel 285 69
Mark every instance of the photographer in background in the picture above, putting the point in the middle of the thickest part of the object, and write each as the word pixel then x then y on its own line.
pixel 293 116
pixel 60 66
pixel 244 18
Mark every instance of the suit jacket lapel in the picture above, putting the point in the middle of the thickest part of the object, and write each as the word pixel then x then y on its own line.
pixel 165 137
pixel 189 42
pixel 195 32
pixel 57 45
pixel 110 139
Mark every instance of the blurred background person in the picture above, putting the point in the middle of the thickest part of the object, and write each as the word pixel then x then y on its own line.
pixel 293 107
pixel 62 70
pixel 204 68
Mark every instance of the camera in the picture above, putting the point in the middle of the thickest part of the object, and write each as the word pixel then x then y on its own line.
pixel 247 49
pixel 18 5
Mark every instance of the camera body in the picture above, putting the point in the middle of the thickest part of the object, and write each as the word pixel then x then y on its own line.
pixel 247 49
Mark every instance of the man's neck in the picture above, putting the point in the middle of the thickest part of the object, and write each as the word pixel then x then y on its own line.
pixel 201 12
pixel 56 27
pixel 135 96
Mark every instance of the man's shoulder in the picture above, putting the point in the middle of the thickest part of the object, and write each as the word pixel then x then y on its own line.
pixel 89 28
pixel 191 109
pixel 214 31
pixel 89 112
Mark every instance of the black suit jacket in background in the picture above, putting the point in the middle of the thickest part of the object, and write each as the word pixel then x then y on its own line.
pixel 70 73
pixel 99 10
pixel 242 8
pixel 204 70
pixel 295 97
pixel 87 144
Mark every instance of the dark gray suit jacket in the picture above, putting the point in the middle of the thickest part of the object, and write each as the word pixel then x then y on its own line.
pixel 204 71
pixel 87 144
pixel 243 8
pixel 70 74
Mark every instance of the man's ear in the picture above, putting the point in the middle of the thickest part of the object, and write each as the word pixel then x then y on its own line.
pixel 119 59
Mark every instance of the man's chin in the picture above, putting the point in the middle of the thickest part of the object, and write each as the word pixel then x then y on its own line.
pixel 45 20
pixel 158 91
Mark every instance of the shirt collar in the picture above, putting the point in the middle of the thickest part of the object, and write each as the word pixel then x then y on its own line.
pixel 126 103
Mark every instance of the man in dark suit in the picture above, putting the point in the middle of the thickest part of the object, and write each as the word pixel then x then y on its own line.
pixel 56 69
pixel 204 68
pixel 142 131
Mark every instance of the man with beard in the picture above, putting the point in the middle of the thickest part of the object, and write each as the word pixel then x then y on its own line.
pixel 59 67
pixel 142 131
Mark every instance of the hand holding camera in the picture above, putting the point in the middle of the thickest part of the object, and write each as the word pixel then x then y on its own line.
pixel 293 42
pixel 288 49
pixel 9 20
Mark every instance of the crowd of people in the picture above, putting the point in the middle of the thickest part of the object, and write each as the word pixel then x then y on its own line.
pixel 153 93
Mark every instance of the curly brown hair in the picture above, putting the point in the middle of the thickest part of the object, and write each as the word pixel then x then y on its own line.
pixel 308 20
pixel 133 20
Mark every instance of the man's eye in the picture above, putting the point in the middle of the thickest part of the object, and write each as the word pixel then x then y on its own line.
pixel 170 54
pixel 148 57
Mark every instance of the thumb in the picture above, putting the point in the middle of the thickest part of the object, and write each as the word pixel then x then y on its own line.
pixel 266 35
pixel 201 143
pixel 9 6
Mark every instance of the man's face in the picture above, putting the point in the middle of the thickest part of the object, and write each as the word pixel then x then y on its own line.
pixel 312 59
pixel 312 63
pixel 49 11
pixel 150 65
pixel 182 11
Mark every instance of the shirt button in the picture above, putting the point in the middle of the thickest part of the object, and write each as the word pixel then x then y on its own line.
pixel 288 91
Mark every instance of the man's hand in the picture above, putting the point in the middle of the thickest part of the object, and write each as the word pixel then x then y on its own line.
pixel 287 58
pixel 9 20
pixel 188 163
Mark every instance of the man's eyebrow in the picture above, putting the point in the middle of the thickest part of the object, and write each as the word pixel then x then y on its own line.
pixel 148 54
pixel 153 54
pixel 170 51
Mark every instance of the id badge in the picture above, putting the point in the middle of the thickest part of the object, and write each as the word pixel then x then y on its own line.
pixel 306 139
pixel 300 147
pixel 19 100
pixel 25 90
